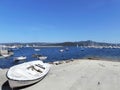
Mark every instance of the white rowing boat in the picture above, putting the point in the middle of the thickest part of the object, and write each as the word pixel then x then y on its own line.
pixel 27 73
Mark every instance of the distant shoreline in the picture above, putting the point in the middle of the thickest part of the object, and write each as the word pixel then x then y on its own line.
pixel 84 44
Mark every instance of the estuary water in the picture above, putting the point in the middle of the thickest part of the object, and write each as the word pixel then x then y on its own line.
pixel 54 54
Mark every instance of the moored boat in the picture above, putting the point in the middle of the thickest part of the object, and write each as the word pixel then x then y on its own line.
pixel 39 56
pixel 42 57
pixel 61 50
pixel 37 49
pixel 6 53
pixel 20 58
pixel 27 73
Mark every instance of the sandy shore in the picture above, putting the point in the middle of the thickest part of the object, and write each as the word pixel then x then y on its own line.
pixel 76 75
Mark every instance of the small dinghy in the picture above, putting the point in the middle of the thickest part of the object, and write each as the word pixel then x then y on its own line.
pixel 27 73
pixel 21 58
pixel 37 49
pixel 61 50
pixel 4 56
pixel 42 57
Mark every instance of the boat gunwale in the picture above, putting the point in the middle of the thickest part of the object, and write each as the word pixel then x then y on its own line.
pixel 28 79
pixel 35 81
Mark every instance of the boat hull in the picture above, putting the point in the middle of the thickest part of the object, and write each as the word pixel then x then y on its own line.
pixel 20 58
pixel 43 58
pixel 22 83
pixel 27 73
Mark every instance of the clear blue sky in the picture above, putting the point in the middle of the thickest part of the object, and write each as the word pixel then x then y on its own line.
pixel 59 20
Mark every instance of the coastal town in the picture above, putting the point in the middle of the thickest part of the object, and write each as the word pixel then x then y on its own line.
pixel 83 44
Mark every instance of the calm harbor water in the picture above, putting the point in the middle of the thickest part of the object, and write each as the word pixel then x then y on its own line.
pixel 54 54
